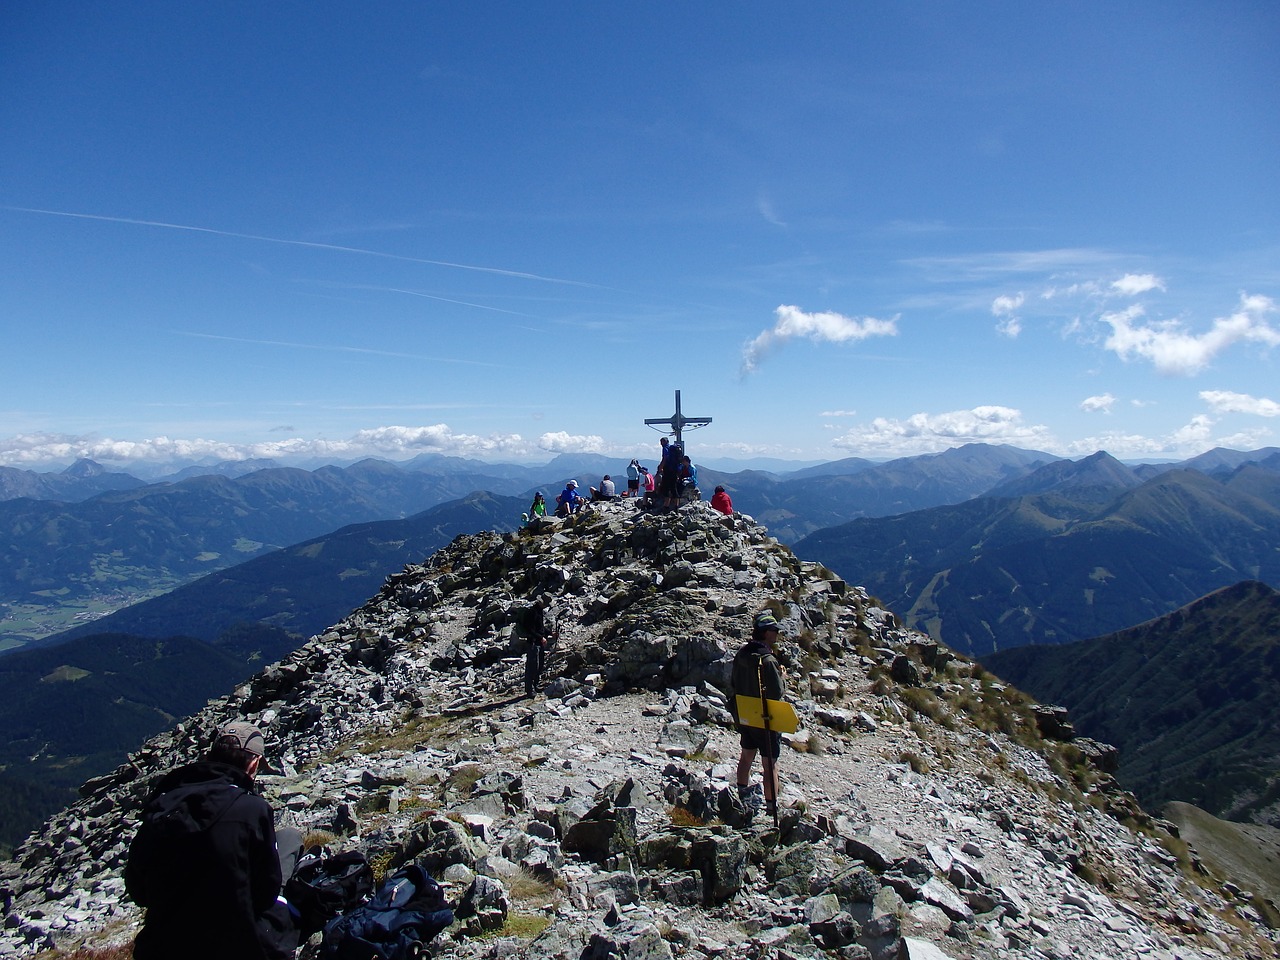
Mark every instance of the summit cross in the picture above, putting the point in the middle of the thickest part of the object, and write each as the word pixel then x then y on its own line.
pixel 678 421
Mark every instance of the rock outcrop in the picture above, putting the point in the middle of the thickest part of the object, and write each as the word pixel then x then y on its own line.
pixel 923 814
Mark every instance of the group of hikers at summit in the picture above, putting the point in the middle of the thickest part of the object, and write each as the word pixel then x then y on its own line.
pixel 674 480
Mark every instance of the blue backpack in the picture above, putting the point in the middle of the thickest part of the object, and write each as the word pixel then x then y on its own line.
pixel 405 915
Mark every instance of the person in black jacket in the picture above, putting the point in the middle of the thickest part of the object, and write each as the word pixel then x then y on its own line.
pixel 538 640
pixel 757 673
pixel 205 863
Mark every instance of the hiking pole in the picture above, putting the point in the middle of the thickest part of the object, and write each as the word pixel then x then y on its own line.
pixel 767 756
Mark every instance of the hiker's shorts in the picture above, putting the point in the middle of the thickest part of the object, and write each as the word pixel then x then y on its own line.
pixel 768 742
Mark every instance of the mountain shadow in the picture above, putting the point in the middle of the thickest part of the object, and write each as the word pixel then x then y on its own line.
pixel 64 562
pixel 74 711
pixel 304 588
pixel 1192 699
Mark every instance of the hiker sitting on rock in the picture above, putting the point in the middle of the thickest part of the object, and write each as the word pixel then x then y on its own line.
pixel 648 482
pixel 757 673
pixel 720 501
pixel 606 491
pixel 570 500
pixel 688 477
pixel 205 862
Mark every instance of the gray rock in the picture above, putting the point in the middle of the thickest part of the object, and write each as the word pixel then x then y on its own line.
pixel 633 940
pixel 722 860
pixel 484 905
pixel 913 949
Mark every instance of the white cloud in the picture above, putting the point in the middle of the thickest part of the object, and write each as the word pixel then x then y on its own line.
pixel 1009 327
pixel 1132 284
pixel 1197 433
pixel 561 442
pixel 1224 401
pixel 1195 437
pixel 838 413
pixel 1003 306
pixel 764 204
pixel 1088 288
pixel 1174 351
pixel 1103 402
pixel 438 438
pixel 1118 445
pixel 925 432
pixel 826 327
pixel 42 449
pixel 1245 440
pixel 1006 307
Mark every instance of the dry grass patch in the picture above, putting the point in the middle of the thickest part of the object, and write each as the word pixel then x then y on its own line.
pixel 118 952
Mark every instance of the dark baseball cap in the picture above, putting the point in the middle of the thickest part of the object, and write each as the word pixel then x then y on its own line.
pixel 246 736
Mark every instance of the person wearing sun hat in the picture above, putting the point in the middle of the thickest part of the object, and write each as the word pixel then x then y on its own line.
pixel 205 861
pixel 758 674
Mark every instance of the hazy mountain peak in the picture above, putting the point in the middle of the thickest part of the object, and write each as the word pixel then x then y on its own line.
pixel 1097 478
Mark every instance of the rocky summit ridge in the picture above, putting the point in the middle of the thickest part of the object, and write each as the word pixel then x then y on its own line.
pixel 924 813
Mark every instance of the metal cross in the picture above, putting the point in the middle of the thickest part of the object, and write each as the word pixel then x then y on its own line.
pixel 678 421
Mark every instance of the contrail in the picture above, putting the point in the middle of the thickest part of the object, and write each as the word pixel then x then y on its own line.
pixel 418 293
pixel 337 349
pixel 300 243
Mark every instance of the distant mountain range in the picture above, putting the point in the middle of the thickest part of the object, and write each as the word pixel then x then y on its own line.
pixel 80 481
pixel 1083 549
pixel 813 499
pixel 1192 699
pixel 304 588
pixel 62 563
pixel 67 562
pixel 71 711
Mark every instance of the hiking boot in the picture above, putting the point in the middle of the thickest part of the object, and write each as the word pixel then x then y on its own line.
pixel 751 797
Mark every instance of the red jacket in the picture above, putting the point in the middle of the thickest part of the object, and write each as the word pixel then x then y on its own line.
pixel 721 502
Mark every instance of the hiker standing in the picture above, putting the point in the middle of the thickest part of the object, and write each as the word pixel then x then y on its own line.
pixel 205 862
pixel 669 474
pixel 757 673
pixel 535 658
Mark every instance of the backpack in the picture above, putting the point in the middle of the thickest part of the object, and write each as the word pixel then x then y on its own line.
pixel 402 918
pixel 322 887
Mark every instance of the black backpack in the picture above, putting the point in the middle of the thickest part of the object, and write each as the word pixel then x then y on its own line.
pixel 405 915
pixel 322 887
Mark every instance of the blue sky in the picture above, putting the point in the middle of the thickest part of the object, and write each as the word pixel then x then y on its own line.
pixel 509 230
